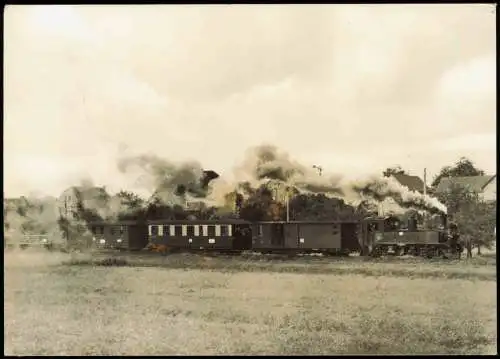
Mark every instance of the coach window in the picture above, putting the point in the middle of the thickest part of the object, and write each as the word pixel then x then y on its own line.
pixel 154 230
pixel 166 230
pixel 229 230
pixel 218 230
pixel 190 231
pixel 122 230
pixel 184 230
pixel 211 231
pixel 260 230
pixel 160 231
pixel 223 230
pixel 196 230
pixel 205 230
pixel 172 230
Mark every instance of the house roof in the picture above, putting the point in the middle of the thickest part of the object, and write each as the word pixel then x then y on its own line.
pixel 414 183
pixel 474 183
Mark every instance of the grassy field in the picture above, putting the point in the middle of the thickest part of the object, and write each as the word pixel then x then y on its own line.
pixel 61 305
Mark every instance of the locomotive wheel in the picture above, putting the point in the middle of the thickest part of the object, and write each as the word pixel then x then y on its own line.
pixel 376 252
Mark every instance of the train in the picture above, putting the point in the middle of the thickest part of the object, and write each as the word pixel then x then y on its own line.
pixel 373 236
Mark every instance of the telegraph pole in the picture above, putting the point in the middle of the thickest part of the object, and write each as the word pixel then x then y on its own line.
pixel 287 199
pixel 287 202
pixel 66 217
pixel 63 213
pixel 425 194
pixel 425 181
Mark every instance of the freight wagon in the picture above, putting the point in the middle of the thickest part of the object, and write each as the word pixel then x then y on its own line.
pixel 306 236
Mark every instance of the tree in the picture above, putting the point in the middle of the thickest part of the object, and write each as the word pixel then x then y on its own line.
pixel 462 168
pixel 130 199
pixel 320 207
pixel 476 220
pixel 397 170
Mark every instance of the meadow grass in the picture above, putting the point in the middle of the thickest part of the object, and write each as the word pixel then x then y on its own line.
pixel 143 305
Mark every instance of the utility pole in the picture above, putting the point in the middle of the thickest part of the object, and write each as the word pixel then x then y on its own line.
pixel 63 212
pixel 425 194
pixel 287 199
pixel 425 181
pixel 287 202
pixel 319 168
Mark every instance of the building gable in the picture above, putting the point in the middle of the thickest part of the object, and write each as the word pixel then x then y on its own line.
pixel 413 183
pixel 490 190
pixel 475 184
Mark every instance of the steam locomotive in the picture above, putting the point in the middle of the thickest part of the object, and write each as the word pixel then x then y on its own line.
pixel 373 236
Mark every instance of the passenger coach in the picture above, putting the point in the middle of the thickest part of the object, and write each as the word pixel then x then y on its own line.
pixel 229 235
pixel 123 235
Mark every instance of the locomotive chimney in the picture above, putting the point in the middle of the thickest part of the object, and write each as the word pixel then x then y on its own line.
pixel 380 210
pixel 412 224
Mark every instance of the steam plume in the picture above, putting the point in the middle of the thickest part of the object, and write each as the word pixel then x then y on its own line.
pixel 266 162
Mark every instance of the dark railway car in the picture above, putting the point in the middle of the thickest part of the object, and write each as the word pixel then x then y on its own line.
pixel 122 235
pixel 304 237
pixel 390 235
pixel 223 235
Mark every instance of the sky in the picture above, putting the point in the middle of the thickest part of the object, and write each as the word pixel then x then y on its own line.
pixel 353 88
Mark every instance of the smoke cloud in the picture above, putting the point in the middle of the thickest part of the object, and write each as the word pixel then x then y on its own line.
pixel 266 174
pixel 268 163
pixel 169 182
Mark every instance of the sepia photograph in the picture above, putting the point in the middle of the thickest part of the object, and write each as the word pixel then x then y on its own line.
pixel 250 179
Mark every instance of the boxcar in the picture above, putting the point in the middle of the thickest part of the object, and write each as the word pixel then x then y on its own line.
pixel 302 236
pixel 220 235
pixel 123 235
